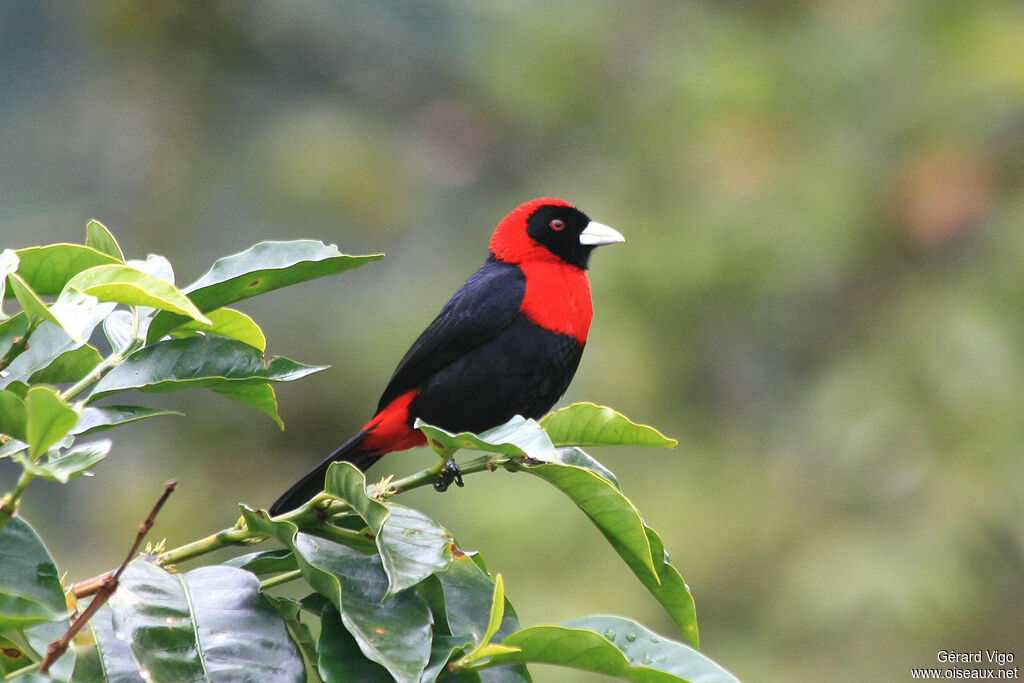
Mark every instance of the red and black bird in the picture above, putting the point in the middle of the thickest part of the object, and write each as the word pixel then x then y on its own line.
pixel 507 343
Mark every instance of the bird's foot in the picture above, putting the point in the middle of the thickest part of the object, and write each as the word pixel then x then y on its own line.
pixel 449 474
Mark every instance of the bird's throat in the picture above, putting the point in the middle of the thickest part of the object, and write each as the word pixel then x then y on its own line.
pixel 558 298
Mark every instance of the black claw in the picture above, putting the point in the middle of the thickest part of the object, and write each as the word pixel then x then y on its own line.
pixel 450 474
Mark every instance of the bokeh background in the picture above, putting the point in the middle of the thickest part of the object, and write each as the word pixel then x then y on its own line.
pixel 821 293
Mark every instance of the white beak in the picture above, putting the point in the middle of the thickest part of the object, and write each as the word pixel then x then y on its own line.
pixel 596 234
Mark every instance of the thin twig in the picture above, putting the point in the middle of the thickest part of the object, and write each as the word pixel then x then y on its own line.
pixel 107 587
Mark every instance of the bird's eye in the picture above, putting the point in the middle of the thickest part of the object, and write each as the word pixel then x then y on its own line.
pixel 557 224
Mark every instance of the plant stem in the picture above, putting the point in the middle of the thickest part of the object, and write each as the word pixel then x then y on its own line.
pixel 20 344
pixel 9 503
pixel 281 578
pixel 310 515
pixel 222 539
pixel 429 476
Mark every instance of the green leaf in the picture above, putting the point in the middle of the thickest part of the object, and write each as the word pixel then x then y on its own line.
pixel 12 656
pixel 47 343
pixel 100 418
pixel 8 264
pixel 588 424
pixel 339 657
pixel 345 482
pixel 265 561
pixel 227 322
pixel 48 418
pixel 520 437
pixel 74 462
pixel 636 543
pixel 613 513
pixel 615 647
pixel 395 633
pixel 30 591
pixel 48 269
pixel 213 362
pixel 468 595
pixel 11 330
pixel 262 397
pixel 29 300
pixel 209 624
pixel 670 590
pixel 573 455
pixel 78 312
pixel 116 663
pixel 262 268
pixel 126 285
pixel 39 637
pixel 291 611
pixel 13 415
pixel 99 238
pixel 497 610
pixel 70 366
pixel 412 546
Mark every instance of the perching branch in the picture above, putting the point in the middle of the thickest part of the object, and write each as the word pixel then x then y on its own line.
pixel 107 585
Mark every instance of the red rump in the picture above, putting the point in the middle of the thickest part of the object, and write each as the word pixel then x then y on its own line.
pixel 391 430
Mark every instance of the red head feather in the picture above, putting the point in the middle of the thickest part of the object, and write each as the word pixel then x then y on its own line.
pixel 512 244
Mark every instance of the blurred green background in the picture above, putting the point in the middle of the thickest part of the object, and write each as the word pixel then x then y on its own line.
pixel 821 293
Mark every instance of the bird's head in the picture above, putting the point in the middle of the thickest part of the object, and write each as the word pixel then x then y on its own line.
pixel 549 228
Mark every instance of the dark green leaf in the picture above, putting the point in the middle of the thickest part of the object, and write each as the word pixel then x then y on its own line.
pixel 615 647
pixel 116 663
pixel 395 633
pixel 126 285
pixel 262 268
pixel 262 397
pixel 99 238
pixel 265 561
pixel 339 657
pixel 47 269
pixel 48 418
pixel 100 418
pixel 30 591
pixel 213 362
pixel 588 424
pixel 47 343
pixel 209 624
pixel 11 330
pixel 412 545
pixel 12 415
pixel 346 483
pixel 70 366
pixel 291 612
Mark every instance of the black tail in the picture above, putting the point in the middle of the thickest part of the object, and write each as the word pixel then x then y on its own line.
pixel 312 482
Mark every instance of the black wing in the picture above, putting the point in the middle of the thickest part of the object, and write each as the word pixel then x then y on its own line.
pixel 480 309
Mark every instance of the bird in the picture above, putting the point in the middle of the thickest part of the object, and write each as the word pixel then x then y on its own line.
pixel 507 343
